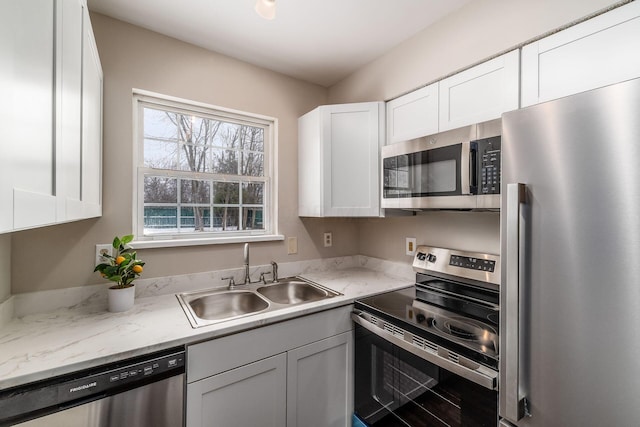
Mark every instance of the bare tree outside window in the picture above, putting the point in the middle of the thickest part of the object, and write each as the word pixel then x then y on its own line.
pixel 201 174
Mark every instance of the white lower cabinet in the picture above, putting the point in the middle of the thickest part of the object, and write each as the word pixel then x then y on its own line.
pixel 592 54
pixel 251 395
pixel 320 383
pixel 294 373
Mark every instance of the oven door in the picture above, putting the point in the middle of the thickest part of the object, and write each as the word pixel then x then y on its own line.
pixel 394 387
pixel 418 176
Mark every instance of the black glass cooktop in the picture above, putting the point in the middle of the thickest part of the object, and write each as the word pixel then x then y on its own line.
pixel 466 326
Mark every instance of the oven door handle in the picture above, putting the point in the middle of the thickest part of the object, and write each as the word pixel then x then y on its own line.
pixel 482 375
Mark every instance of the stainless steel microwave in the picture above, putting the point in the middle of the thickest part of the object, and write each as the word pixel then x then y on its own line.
pixel 457 169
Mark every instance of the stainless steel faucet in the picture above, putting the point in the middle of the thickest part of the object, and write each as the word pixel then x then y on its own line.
pixel 247 277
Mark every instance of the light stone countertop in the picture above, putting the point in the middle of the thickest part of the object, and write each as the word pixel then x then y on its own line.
pixel 43 345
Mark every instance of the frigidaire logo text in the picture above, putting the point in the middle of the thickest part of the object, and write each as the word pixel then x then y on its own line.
pixel 83 387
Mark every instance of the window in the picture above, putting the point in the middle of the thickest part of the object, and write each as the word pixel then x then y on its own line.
pixel 202 172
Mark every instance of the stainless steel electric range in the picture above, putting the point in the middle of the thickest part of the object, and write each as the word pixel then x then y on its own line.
pixel 428 355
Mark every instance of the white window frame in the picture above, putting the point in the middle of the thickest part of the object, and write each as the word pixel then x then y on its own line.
pixel 143 98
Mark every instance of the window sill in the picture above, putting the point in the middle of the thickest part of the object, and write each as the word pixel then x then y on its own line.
pixel 171 243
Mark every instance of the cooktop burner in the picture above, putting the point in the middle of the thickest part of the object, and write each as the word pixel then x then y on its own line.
pixel 393 303
pixel 472 333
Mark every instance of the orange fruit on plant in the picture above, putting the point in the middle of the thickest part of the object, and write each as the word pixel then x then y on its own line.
pixel 119 260
pixel 137 269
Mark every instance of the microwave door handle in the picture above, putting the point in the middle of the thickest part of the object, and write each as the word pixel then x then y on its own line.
pixel 465 154
pixel 513 406
pixel 473 168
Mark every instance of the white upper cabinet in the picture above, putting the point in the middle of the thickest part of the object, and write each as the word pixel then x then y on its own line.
pixel 595 53
pixel 413 115
pixel 43 113
pixel 69 109
pixel 92 80
pixel 480 93
pixel 338 160
pixel 26 114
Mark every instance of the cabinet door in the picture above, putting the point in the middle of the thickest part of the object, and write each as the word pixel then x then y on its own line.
pixel 413 115
pixel 351 136
pixel 338 166
pixel 592 54
pixel 320 383
pixel 310 164
pixel 251 395
pixel 68 108
pixel 26 114
pixel 92 81
pixel 480 93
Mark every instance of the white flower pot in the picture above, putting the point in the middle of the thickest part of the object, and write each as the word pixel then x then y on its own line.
pixel 121 299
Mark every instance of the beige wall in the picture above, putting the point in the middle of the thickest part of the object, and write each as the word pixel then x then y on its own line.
pixel 63 255
pixel 472 231
pixel 5 266
pixel 480 29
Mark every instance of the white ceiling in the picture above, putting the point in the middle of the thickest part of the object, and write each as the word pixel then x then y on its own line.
pixel 320 41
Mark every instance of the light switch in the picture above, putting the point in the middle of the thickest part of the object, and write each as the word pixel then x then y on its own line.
pixel 292 245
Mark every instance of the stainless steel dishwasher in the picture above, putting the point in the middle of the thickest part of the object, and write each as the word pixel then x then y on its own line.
pixel 142 391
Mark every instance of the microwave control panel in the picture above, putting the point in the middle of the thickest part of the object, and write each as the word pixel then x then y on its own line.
pixel 489 165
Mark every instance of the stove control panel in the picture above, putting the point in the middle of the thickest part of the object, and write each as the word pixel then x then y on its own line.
pixel 470 265
pixel 473 263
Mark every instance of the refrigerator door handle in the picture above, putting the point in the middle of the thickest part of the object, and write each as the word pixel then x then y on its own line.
pixel 512 403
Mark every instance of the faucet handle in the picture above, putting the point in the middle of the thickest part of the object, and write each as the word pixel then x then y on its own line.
pixel 262 279
pixel 274 271
pixel 231 280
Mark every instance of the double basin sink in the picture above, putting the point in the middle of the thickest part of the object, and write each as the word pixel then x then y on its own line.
pixel 210 306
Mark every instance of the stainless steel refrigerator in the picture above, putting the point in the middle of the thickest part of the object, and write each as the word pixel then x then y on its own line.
pixel 570 251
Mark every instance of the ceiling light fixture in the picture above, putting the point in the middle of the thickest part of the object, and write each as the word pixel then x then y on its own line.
pixel 266 8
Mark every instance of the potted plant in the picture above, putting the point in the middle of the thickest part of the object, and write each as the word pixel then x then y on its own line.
pixel 122 267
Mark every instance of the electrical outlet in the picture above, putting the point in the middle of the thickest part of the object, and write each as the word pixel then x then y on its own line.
pixel 328 240
pixel 410 246
pixel 106 249
pixel 292 245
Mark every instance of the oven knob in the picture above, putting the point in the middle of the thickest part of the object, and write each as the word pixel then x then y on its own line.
pixel 420 318
pixel 431 258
